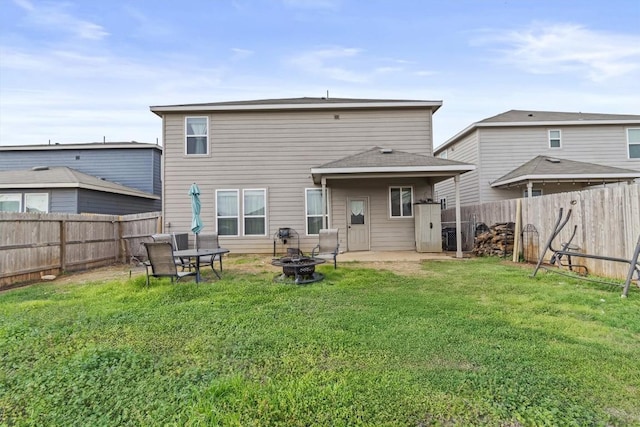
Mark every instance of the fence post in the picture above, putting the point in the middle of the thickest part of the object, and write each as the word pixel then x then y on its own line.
pixel 63 245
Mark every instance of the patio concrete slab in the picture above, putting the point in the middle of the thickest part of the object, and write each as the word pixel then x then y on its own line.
pixel 378 256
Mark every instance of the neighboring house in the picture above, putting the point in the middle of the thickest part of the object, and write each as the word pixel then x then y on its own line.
pixel 522 153
pixel 357 165
pixel 131 165
pixel 65 190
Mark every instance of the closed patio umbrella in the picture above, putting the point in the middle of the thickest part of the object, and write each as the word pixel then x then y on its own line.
pixel 196 222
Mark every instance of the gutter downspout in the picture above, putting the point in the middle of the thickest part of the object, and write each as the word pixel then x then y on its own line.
pixel 325 219
pixel 456 180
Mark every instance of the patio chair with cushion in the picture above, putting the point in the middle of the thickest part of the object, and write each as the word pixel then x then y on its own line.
pixel 209 241
pixel 328 245
pixel 162 262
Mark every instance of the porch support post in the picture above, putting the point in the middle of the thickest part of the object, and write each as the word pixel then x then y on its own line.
pixel 456 180
pixel 529 190
pixel 325 219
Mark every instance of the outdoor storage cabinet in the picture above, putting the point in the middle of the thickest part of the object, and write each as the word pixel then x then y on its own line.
pixel 428 227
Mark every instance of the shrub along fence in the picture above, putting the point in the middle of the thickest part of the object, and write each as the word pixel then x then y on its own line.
pixel 32 245
pixel 607 219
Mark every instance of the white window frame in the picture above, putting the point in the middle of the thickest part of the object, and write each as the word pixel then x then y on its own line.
pixel 559 138
pixel 629 143
pixel 535 191
pixel 27 196
pixel 187 136
pixel 13 197
pixel 401 188
pixel 325 217
pixel 244 213
pixel 237 216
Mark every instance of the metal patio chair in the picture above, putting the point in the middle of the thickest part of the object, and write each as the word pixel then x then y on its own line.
pixel 328 245
pixel 162 262
pixel 209 241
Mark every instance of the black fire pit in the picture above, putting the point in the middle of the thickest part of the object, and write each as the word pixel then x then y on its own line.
pixel 299 269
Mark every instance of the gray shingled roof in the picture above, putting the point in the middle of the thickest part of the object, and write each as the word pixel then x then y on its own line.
pixel 376 158
pixel 304 103
pixel 542 168
pixel 523 116
pixel 378 161
pixel 64 177
pixel 81 146
pixel 541 118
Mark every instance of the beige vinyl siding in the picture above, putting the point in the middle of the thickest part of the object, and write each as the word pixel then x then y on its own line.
pixel 275 150
pixel 466 150
pixel 391 234
pixel 505 149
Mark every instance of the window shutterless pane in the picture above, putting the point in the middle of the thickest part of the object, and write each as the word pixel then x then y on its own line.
pixel 228 226
pixel 36 202
pixel 314 224
pixel 395 202
pixel 314 202
pixel 254 203
pixel 634 151
pixel 10 202
pixel 634 136
pixel 406 202
pixel 254 226
pixel 196 145
pixel 227 203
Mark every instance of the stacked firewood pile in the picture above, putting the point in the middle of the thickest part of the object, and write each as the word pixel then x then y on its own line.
pixel 496 241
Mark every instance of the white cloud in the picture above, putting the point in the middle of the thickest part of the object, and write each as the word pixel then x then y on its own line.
pixel 55 17
pixel 569 48
pixel 325 63
pixel 313 4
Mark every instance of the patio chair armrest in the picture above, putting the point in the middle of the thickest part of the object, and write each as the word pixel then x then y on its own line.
pixel 313 251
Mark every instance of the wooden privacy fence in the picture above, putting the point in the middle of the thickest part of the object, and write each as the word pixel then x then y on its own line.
pixel 32 244
pixel 607 219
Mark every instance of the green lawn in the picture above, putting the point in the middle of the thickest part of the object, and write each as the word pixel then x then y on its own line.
pixel 473 342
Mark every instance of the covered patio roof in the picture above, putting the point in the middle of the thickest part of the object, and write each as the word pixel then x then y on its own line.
pixel 552 169
pixel 385 163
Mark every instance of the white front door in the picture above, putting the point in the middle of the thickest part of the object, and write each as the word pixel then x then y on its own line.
pixel 358 224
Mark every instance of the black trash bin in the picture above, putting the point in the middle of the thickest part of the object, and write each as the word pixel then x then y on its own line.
pixel 449 239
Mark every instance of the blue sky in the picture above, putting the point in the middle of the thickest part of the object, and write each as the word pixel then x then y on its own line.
pixel 79 71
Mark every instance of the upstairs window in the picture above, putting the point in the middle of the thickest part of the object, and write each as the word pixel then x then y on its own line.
pixel 633 139
pixel 196 138
pixel 554 139
pixel 401 202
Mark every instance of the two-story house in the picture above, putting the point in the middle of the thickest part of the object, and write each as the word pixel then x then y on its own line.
pixel 109 178
pixel 358 165
pixel 529 153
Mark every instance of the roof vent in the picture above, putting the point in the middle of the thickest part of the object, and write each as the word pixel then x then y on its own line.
pixel 40 168
pixel 386 150
pixel 552 160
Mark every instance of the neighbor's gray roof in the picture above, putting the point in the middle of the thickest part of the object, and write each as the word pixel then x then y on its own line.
pixel 81 146
pixel 296 103
pixel 546 168
pixel 64 177
pixel 543 118
pixel 385 161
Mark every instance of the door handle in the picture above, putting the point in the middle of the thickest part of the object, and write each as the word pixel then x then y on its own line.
pixel 430 225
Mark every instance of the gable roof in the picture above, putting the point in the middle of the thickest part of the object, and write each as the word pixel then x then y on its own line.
pixel 546 168
pixel 513 118
pixel 376 161
pixel 64 177
pixel 305 103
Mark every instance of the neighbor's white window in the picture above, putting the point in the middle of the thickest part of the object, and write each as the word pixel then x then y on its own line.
pixel 555 140
pixel 254 212
pixel 227 212
pixel 535 192
pixel 401 201
pixel 36 202
pixel 11 202
pixel 196 138
pixel 633 138
pixel 443 154
pixel 313 210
